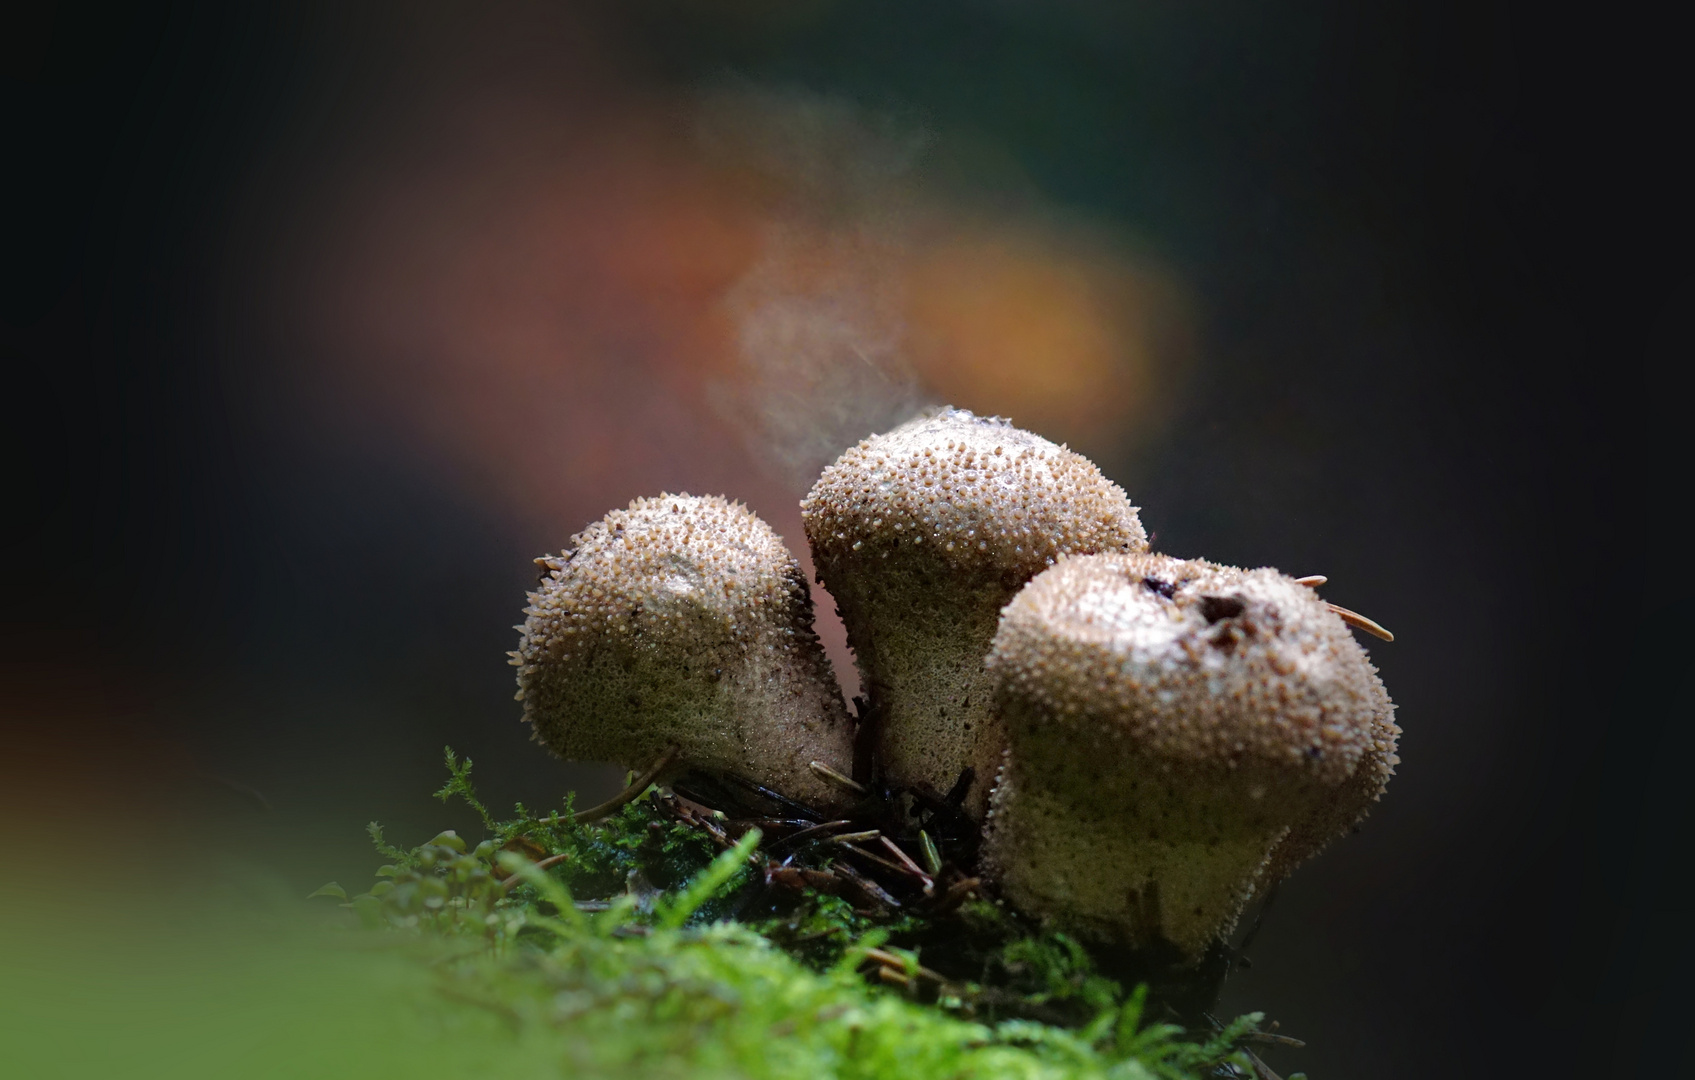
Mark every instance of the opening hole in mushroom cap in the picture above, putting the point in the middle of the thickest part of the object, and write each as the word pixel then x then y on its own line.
pixel 1214 608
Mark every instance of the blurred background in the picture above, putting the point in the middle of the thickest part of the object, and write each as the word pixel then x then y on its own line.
pixel 321 321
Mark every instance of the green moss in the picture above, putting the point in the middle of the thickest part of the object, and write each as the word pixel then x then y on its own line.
pixel 623 953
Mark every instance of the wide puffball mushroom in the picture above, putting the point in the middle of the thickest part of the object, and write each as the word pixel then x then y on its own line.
pixel 683 621
pixel 1171 724
pixel 922 535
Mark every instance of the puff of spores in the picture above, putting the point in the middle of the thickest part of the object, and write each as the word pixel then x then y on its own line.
pixel 1171 723
pixel 922 535
pixel 683 621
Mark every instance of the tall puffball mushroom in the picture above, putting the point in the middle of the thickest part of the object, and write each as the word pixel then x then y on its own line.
pixel 1171 723
pixel 922 535
pixel 683 621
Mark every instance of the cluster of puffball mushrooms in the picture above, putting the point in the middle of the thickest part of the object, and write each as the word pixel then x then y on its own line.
pixel 1145 742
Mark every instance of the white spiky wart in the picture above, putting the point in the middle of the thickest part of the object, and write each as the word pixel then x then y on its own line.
pixel 922 534
pixel 683 621
pixel 1181 733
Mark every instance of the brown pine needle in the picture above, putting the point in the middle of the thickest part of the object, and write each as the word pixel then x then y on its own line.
pixel 850 837
pixel 1265 1072
pixel 873 858
pixel 551 860
pixel 873 891
pixel 826 773
pixel 811 833
pixel 956 894
pixel 890 961
pixel 1360 622
pixel 629 794
pixel 906 860
pixel 1267 1038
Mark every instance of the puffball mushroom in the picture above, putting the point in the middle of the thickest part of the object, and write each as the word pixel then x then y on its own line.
pixel 922 534
pixel 683 621
pixel 1171 723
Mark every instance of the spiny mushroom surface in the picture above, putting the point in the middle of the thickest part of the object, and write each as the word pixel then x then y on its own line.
pixel 683 621
pixel 1171 722
pixel 922 534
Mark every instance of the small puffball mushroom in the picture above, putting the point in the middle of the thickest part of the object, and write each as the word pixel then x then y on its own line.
pixel 683 621
pixel 1171 724
pixel 922 535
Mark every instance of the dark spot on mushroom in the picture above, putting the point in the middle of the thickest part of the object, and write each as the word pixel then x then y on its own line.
pixel 1214 608
pixel 1164 588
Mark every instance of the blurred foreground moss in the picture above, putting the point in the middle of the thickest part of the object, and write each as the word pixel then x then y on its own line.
pixel 478 960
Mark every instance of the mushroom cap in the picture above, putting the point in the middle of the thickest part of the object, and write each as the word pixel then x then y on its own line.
pixel 1193 663
pixel 1179 733
pixel 969 492
pixel 922 534
pixel 682 620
